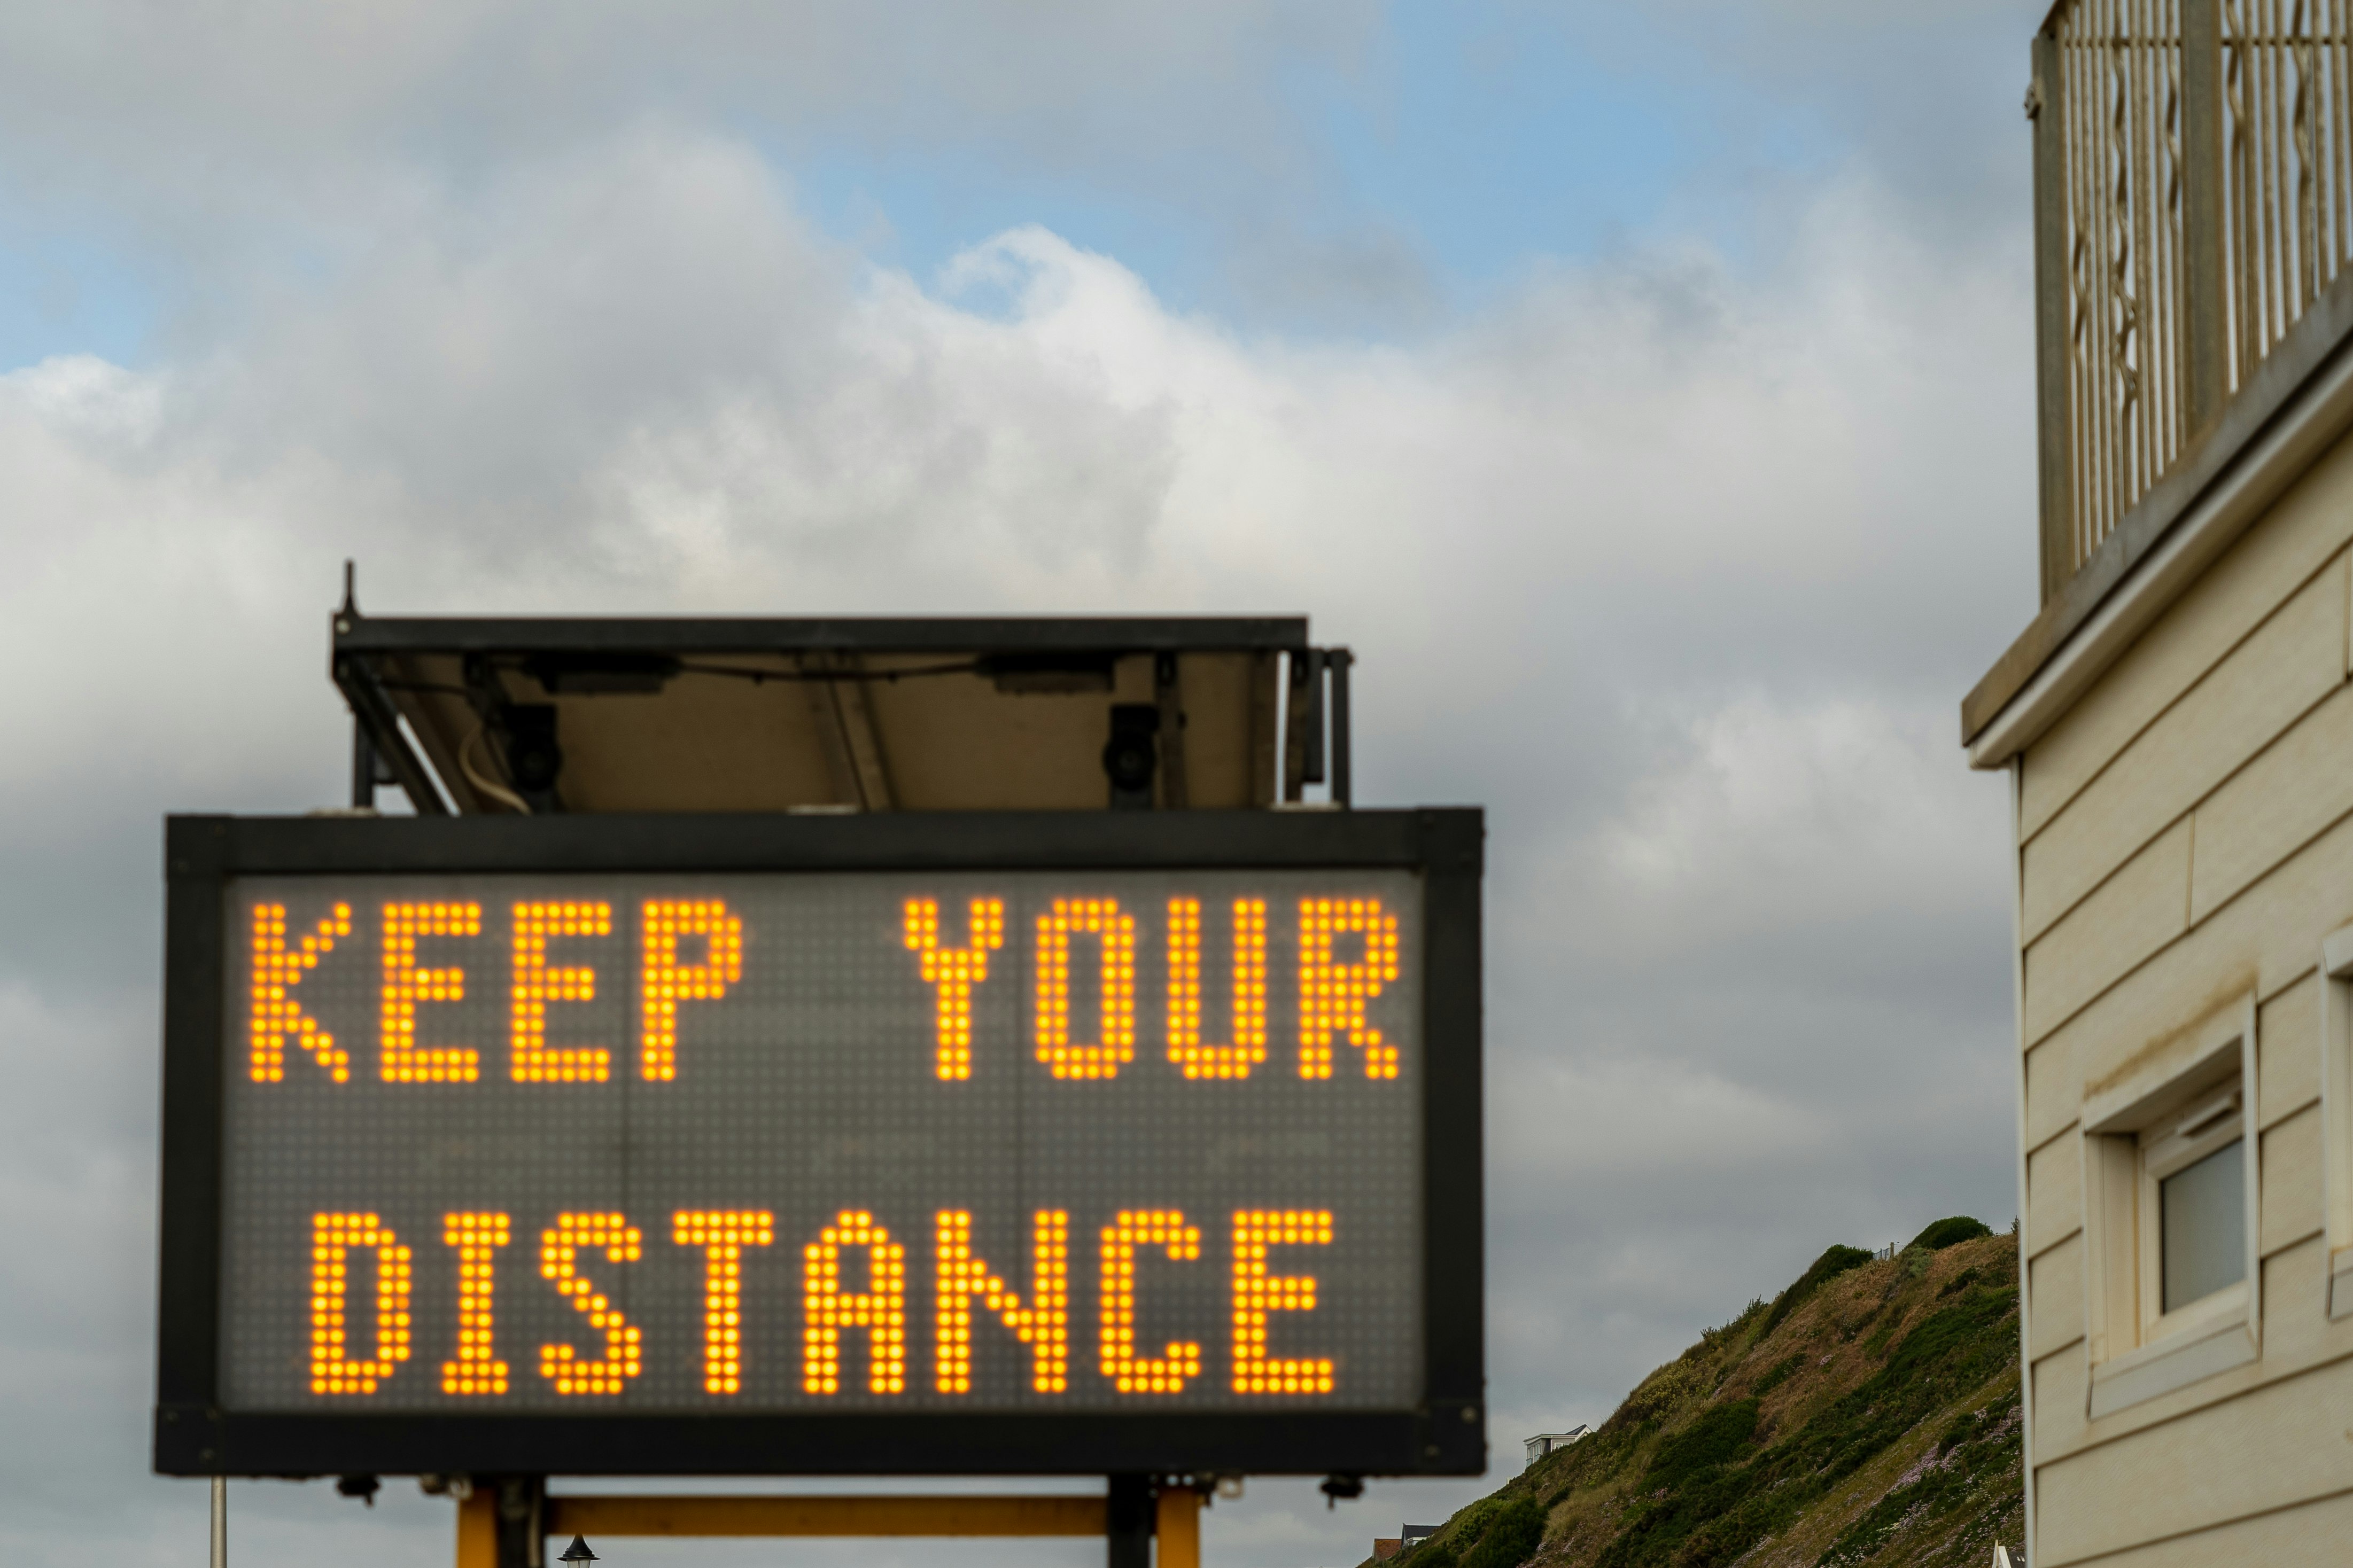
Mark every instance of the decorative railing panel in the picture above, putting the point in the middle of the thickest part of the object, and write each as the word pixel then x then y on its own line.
pixel 2194 194
pixel 2121 96
pixel 2287 169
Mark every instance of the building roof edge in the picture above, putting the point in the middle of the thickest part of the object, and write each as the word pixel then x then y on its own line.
pixel 2298 400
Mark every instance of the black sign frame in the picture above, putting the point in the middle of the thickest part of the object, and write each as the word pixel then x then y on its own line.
pixel 1444 1433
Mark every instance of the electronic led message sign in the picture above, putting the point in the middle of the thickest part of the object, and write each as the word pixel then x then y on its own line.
pixel 824 1145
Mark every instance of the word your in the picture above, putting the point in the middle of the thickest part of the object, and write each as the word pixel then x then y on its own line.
pixel 1039 1319
pixel 1334 991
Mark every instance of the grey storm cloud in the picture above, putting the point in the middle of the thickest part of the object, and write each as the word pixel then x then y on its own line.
pixel 1677 564
pixel 284 85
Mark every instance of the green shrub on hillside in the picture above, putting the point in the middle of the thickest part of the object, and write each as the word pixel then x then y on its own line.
pixel 1715 1438
pixel 1658 1394
pixel 1512 1538
pixel 1951 1232
pixel 1780 1373
pixel 1720 1512
pixel 1489 1534
pixel 1828 1266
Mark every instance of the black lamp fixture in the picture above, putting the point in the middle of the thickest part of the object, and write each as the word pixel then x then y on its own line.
pixel 577 1552
pixel 1131 756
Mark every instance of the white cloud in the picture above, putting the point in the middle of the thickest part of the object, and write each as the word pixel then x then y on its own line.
pixel 1581 1120
pixel 1767 808
pixel 81 396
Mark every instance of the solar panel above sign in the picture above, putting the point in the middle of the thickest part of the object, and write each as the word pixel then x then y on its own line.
pixel 540 716
pixel 917 1144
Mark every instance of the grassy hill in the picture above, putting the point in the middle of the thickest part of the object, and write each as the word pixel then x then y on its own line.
pixel 1865 1417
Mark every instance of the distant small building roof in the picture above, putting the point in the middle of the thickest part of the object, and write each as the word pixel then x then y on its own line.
pixel 1544 1443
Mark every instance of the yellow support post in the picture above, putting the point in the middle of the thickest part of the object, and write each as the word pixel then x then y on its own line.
pixel 478 1529
pixel 1179 1527
pixel 835 1516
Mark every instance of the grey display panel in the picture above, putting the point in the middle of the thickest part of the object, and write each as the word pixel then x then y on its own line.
pixel 825 1085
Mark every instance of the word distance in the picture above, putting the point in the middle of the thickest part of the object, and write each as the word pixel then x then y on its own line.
pixel 866 1337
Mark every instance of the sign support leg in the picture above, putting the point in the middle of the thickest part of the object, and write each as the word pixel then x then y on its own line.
pixel 1129 1523
pixel 478 1528
pixel 1180 1526
pixel 220 1522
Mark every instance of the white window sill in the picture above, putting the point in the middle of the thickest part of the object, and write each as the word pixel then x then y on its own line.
pixel 2212 1336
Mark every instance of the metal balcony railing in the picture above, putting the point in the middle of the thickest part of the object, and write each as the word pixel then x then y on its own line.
pixel 2193 171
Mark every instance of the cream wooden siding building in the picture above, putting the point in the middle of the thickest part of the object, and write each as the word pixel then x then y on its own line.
pixel 2177 728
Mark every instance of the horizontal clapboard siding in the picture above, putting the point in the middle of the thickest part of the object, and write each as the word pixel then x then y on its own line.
pixel 2186 840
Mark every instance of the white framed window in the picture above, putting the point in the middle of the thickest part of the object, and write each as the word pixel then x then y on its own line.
pixel 2336 1113
pixel 2193 1210
pixel 2170 1190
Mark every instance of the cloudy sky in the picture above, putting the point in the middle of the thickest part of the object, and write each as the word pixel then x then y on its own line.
pixel 1643 392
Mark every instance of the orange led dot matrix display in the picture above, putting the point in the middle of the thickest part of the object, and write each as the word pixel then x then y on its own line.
pixel 1332 996
pixel 334 1238
pixel 1258 1293
pixel 535 984
pixel 1043 1323
pixel 932 1145
pixel 665 981
pixel 723 1234
pixel 952 971
pixel 1129 1372
pixel 477 1238
pixel 401 1058
pixel 1114 933
pixel 1247 993
pixel 559 1250
pixel 277 970
pixel 881 1309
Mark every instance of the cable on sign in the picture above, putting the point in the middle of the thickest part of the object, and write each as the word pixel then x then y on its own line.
pixel 481 781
